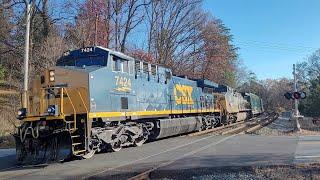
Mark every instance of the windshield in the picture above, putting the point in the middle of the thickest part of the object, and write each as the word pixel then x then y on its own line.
pixel 83 61
pixel 91 61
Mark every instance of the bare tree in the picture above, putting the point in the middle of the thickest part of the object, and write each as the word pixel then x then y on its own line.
pixel 125 16
pixel 171 26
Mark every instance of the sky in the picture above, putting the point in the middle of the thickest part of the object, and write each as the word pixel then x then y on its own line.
pixel 271 34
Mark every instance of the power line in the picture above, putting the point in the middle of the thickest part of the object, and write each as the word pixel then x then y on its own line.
pixel 276 46
pixel 280 44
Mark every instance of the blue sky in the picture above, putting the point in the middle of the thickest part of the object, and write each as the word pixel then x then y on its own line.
pixel 271 34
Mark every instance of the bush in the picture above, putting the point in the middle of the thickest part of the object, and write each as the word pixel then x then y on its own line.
pixel 311 105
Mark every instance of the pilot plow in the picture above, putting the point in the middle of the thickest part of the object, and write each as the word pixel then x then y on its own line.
pixel 35 147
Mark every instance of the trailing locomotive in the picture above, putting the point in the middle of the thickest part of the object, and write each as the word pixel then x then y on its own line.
pixel 96 99
pixel 238 106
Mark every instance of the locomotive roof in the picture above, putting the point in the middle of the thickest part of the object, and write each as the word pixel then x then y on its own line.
pixel 103 50
pixel 117 53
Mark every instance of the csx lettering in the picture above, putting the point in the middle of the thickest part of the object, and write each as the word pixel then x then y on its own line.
pixel 183 94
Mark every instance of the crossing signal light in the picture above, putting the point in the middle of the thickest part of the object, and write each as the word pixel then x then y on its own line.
pixel 295 95
pixel 303 95
pixel 288 95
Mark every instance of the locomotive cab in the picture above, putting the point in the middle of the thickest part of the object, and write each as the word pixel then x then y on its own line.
pixel 56 116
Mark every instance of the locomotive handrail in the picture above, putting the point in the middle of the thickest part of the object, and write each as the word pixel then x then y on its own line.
pixel 63 92
pixel 74 110
pixel 84 104
pixel 61 101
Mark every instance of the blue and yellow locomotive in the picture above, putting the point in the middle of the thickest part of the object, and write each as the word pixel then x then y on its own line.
pixel 97 99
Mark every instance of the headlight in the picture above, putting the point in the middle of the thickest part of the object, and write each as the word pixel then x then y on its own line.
pixel 51 78
pixel 51 75
pixel 22 113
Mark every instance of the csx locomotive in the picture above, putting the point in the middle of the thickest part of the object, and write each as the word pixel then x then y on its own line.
pixel 96 99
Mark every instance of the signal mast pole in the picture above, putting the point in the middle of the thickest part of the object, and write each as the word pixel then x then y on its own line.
pixel 26 54
pixel 296 110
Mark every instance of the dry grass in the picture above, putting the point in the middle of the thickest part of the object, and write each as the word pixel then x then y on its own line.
pixel 277 172
pixel 297 172
pixel 6 92
pixel 308 127
pixel 308 132
pixel 9 104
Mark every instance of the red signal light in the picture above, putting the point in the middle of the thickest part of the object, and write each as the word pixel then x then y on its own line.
pixel 296 95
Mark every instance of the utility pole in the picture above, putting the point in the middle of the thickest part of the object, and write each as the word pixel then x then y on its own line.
pixel 96 30
pixel 26 55
pixel 95 9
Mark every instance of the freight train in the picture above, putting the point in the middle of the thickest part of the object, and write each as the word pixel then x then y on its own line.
pixel 96 99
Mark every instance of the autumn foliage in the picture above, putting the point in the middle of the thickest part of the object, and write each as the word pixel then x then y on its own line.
pixel 91 25
pixel 142 55
pixel 176 34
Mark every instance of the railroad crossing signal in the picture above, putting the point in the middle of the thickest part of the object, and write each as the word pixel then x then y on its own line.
pixel 295 95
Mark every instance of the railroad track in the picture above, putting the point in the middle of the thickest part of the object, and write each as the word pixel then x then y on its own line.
pixel 242 127
pixel 248 126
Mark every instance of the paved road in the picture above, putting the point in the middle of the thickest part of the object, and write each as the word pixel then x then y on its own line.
pixel 7 158
pixel 171 154
pixel 308 149
pixel 177 155
pixel 7 152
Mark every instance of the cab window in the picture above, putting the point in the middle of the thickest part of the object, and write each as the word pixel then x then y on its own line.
pixel 120 64
pixel 153 70
pixel 116 65
pixel 137 66
pixel 145 67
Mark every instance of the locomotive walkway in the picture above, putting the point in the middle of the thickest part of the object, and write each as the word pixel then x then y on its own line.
pixel 179 155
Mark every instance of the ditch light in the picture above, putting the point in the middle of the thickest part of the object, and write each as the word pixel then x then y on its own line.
pixel 22 113
pixel 52 110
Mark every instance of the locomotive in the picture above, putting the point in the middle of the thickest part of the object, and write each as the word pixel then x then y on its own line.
pixel 238 106
pixel 96 99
